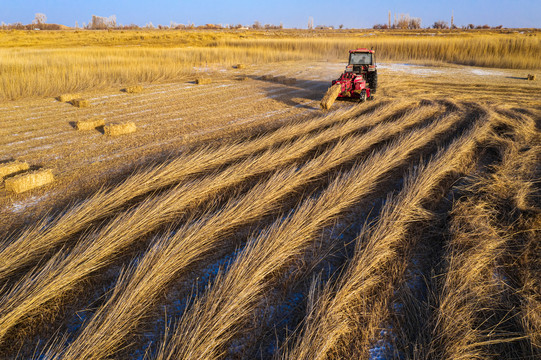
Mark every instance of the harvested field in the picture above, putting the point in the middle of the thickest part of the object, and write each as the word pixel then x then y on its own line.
pixel 244 222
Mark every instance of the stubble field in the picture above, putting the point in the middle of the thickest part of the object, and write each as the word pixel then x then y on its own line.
pixel 240 221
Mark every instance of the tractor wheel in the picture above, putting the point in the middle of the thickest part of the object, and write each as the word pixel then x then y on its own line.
pixel 373 82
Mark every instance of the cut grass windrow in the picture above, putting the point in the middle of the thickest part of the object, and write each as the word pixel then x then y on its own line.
pixel 347 318
pixel 46 235
pixel 172 257
pixel 476 317
pixel 100 248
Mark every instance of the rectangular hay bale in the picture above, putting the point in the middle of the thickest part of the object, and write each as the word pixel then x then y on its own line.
pixel 90 124
pixel 12 167
pixel 240 66
pixel 115 129
pixel 330 96
pixel 29 181
pixel 203 81
pixel 80 103
pixel 133 89
pixel 68 97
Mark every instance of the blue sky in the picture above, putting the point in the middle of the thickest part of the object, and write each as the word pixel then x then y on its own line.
pixel 292 13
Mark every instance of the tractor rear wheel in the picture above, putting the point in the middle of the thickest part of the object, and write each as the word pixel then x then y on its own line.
pixel 373 82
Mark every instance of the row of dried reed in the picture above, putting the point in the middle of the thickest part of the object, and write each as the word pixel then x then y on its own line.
pixel 39 239
pixel 172 256
pixel 96 250
pixel 346 318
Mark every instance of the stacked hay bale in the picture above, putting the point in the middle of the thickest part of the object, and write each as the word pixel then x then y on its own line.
pixel 203 81
pixel 133 89
pixel 116 129
pixel 330 96
pixel 12 167
pixel 531 76
pixel 29 180
pixel 80 103
pixel 89 124
pixel 68 97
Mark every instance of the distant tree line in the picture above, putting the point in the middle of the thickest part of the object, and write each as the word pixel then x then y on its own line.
pixel 401 21
pixel 404 21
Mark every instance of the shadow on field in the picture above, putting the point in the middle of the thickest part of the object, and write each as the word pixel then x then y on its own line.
pixel 516 77
pixel 296 91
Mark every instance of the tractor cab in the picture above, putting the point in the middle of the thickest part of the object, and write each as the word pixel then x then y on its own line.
pixel 361 61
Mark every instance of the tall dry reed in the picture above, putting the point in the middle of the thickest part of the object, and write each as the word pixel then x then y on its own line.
pixel 170 257
pixel 346 319
pixel 100 248
pixel 48 234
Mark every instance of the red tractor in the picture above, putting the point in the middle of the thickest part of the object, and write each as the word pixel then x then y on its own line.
pixel 359 80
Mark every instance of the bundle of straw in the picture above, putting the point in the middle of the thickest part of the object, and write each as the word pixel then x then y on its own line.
pixel 119 128
pixel 12 167
pixel 68 97
pixel 330 96
pixel 89 124
pixel 133 89
pixel 29 181
pixel 80 103
pixel 203 81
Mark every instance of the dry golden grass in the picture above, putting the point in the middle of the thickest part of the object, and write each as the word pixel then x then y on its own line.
pixel 36 64
pixel 361 294
pixel 212 324
pixel 193 242
pixel 104 276
pixel 99 249
pixel 35 241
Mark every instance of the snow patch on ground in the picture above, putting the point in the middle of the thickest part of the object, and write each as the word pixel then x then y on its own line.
pixel 482 72
pixel 20 206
